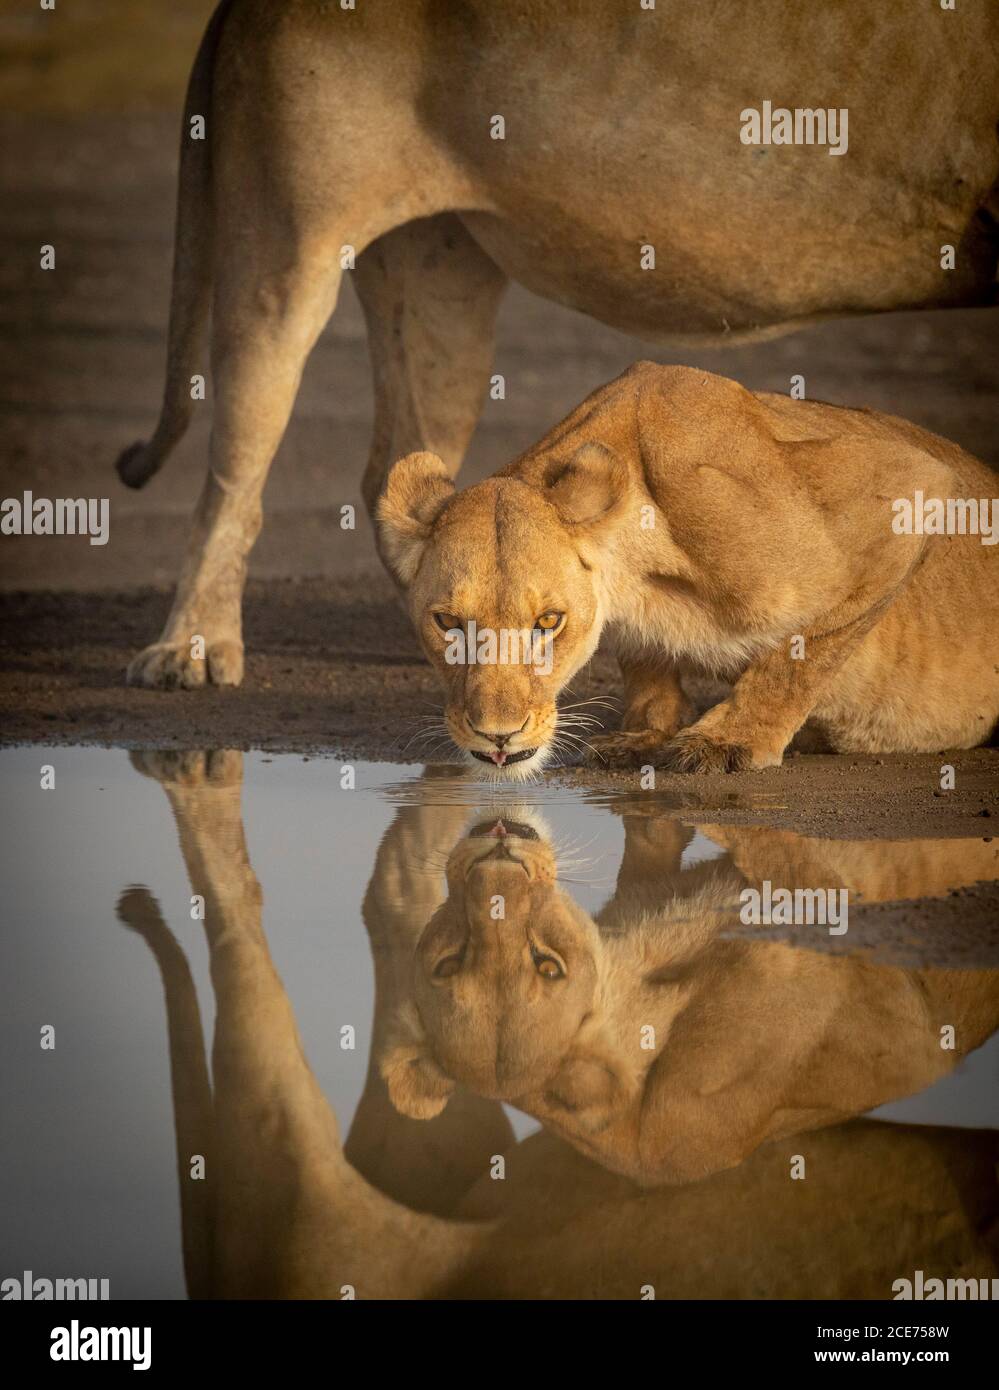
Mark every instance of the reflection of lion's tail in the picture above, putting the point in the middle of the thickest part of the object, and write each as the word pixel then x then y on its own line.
pixel 192 269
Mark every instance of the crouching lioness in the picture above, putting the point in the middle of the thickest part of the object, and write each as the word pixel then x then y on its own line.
pixel 838 566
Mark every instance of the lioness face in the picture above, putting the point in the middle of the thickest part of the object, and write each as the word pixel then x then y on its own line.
pixel 505 604
pixel 505 971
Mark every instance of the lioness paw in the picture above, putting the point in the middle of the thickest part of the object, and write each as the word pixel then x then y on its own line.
pixel 691 751
pixel 170 666
pixel 626 748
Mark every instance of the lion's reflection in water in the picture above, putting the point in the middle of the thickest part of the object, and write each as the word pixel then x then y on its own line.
pixel 681 1069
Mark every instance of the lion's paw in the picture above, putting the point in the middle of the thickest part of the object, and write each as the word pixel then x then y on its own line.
pixel 171 666
pixel 187 767
pixel 626 749
pixel 691 751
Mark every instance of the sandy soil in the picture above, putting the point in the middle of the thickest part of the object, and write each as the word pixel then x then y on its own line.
pixel 89 166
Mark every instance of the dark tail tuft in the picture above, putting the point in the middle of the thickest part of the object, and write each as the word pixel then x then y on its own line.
pixel 136 465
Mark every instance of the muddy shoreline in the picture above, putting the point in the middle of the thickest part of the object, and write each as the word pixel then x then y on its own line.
pixel 333 668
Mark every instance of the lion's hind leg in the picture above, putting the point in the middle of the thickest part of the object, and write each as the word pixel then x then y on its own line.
pixel 430 296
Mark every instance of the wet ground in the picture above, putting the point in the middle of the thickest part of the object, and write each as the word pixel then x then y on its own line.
pixel 286 1026
pixel 364 690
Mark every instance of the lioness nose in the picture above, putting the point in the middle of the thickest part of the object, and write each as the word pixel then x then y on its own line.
pixel 500 740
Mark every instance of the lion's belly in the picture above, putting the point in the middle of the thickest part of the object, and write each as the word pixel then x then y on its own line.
pixel 595 151
pixel 668 282
pixel 622 187
pixel 573 265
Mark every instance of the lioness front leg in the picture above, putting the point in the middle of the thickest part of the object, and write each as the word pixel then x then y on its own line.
pixel 769 702
pixel 655 708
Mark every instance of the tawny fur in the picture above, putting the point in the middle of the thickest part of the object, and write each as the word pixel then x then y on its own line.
pixel 370 129
pixel 715 531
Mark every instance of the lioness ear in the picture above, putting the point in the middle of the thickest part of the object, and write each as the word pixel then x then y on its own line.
pixel 417 1085
pixel 417 487
pixel 589 485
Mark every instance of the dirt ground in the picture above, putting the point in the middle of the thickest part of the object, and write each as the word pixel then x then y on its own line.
pixel 89 163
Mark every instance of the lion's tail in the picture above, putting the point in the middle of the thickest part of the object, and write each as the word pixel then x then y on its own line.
pixel 191 291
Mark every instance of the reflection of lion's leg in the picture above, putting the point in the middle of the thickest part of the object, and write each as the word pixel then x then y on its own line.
pixel 430 296
pixel 295 1219
pixel 653 848
pixel 276 1137
pixel 274 290
pixel 274 1132
pixel 192 1097
pixel 653 883
pixel 292 1217
pixel 278 1149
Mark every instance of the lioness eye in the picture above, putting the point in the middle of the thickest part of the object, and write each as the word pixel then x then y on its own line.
pixel 447 967
pixel 550 621
pixel 547 966
pixel 447 622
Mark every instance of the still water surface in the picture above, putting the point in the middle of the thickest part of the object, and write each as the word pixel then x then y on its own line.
pixel 427 1039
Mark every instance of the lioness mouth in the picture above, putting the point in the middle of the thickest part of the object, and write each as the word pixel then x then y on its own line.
pixel 500 759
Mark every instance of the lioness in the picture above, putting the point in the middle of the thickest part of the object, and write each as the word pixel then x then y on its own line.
pixel 594 152
pixel 744 535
